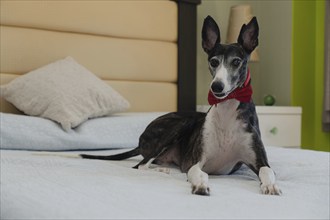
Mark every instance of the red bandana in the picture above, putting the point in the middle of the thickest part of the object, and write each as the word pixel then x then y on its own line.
pixel 242 94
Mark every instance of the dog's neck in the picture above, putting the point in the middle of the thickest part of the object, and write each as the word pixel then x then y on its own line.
pixel 242 94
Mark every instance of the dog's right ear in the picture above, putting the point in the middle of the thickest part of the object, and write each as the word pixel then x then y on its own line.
pixel 210 34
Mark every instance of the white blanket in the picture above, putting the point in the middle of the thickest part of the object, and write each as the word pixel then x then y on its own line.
pixel 35 186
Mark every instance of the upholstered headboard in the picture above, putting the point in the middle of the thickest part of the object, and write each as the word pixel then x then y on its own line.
pixel 144 49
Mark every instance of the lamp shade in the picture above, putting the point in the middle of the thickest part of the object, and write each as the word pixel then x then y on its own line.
pixel 239 15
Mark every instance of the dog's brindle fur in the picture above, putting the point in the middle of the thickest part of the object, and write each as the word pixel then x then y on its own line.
pixel 217 142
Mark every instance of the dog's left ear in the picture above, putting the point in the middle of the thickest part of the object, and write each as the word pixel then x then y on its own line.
pixel 248 36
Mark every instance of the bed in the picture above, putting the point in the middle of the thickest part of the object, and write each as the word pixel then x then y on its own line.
pixel 118 65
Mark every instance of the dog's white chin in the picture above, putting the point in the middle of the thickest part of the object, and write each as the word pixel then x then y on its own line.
pixel 219 96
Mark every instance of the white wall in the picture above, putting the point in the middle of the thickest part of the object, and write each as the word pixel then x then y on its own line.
pixel 272 73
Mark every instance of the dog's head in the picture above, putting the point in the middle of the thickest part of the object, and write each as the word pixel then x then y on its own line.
pixel 228 63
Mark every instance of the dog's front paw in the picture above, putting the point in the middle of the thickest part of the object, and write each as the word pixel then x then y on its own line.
pixel 270 189
pixel 201 190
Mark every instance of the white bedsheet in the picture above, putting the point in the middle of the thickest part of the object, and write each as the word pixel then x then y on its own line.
pixel 37 186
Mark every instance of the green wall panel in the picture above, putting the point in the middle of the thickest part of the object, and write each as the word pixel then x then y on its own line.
pixel 308 70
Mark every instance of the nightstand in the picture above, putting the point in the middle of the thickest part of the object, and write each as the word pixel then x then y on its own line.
pixel 279 125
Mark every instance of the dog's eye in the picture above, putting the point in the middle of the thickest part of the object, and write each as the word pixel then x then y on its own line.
pixel 214 63
pixel 236 62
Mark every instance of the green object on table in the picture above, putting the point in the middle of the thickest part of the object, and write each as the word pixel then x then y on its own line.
pixel 269 100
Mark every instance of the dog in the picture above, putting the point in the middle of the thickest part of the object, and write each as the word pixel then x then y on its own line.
pixel 224 138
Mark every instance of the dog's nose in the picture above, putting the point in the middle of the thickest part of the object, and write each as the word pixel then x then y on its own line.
pixel 217 87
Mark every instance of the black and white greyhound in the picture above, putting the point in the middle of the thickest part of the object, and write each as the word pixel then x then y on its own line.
pixel 220 141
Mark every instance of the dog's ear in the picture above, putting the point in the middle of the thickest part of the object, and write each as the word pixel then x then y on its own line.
pixel 210 34
pixel 248 36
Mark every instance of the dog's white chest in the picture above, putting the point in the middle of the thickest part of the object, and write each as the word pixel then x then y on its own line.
pixel 225 139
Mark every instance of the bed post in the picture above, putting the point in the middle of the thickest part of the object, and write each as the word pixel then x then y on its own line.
pixel 187 22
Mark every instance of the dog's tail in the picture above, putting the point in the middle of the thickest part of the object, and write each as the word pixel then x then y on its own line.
pixel 120 156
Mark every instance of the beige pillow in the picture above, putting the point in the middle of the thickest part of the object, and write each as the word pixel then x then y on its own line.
pixel 63 91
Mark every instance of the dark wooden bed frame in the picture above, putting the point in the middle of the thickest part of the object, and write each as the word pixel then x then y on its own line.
pixel 187 24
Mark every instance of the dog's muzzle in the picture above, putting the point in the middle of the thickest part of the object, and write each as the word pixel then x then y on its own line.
pixel 217 89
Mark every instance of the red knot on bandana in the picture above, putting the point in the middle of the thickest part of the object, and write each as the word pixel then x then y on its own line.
pixel 242 94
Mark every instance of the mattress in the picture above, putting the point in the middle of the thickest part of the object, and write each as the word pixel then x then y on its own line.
pixel 39 184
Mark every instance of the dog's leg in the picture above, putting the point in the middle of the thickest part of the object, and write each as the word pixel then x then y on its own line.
pixel 146 162
pixel 259 164
pixel 198 180
pixel 262 169
pixel 146 166
pixel 267 178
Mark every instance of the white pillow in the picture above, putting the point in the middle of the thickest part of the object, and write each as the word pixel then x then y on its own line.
pixel 63 91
